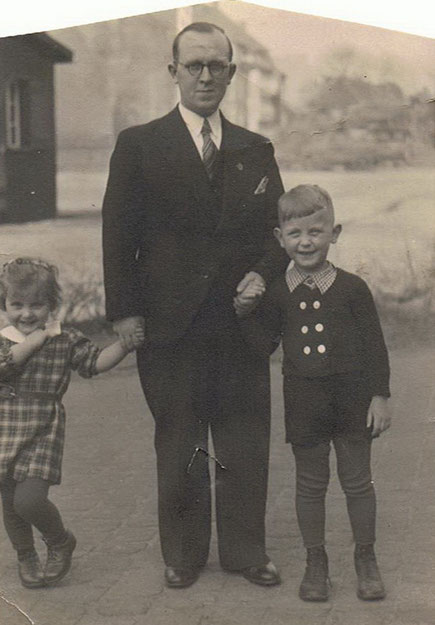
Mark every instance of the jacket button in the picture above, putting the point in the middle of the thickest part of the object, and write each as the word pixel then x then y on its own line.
pixel 321 349
pixel 319 327
pixel 316 304
pixel 302 305
pixel 304 329
pixel 307 350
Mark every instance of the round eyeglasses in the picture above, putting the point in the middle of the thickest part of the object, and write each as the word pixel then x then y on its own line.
pixel 216 68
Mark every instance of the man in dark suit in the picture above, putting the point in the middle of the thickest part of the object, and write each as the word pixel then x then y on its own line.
pixel 188 221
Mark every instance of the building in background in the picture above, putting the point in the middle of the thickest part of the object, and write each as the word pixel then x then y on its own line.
pixel 120 79
pixel 27 127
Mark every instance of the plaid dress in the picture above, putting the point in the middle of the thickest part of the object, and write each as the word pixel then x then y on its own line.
pixel 32 416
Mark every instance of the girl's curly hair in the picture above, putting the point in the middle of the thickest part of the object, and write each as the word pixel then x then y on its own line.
pixel 27 272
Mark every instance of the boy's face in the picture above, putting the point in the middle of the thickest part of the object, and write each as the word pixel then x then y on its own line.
pixel 307 239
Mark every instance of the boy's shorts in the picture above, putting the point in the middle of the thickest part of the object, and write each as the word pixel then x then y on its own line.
pixel 319 409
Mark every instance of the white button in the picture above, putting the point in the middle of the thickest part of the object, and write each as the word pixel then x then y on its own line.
pixel 321 349
pixel 316 304
pixel 303 305
pixel 304 329
pixel 319 327
pixel 307 350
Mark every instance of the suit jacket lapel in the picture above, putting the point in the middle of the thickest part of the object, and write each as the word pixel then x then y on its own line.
pixel 235 157
pixel 178 149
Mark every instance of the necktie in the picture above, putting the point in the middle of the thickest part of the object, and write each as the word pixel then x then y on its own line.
pixel 209 149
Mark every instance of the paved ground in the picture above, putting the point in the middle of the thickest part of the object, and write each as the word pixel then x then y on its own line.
pixel 108 498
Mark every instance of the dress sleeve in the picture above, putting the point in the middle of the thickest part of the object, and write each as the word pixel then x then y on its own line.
pixel 83 354
pixel 7 366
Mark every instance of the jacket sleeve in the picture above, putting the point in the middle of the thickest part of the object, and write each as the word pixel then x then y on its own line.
pixel 274 260
pixel 376 354
pixel 122 207
pixel 262 329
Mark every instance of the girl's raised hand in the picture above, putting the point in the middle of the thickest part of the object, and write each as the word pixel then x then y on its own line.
pixel 53 328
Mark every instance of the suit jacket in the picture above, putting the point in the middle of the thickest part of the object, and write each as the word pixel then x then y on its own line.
pixel 164 250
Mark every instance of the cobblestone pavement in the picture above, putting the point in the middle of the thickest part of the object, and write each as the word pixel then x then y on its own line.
pixel 108 497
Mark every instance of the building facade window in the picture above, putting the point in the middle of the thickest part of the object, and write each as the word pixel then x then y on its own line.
pixel 18 111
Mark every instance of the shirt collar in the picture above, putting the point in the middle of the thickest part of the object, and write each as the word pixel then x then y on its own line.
pixel 194 121
pixel 13 334
pixel 323 280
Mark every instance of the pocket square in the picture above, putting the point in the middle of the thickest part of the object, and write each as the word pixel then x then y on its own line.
pixel 262 186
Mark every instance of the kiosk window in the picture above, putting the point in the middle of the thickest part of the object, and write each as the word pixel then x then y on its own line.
pixel 18 131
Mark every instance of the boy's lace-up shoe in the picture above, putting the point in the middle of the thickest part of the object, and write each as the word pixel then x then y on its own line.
pixel 314 585
pixel 370 585
pixel 59 558
pixel 30 570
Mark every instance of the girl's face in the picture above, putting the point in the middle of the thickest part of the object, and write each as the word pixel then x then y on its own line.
pixel 27 310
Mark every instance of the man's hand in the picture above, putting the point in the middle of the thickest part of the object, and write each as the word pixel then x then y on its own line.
pixel 131 332
pixel 249 292
pixel 378 415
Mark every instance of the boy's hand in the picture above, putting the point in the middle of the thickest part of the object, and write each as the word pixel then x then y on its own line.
pixel 247 301
pixel 378 415
pixel 249 292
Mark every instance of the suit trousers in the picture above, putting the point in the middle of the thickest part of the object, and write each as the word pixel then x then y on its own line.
pixel 210 382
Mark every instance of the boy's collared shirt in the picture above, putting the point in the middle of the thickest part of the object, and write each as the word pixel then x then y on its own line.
pixel 322 280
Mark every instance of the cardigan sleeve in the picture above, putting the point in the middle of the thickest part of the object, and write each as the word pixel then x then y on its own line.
pixel 376 354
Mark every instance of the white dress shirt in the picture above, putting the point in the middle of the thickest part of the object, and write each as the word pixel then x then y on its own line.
pixel 194 124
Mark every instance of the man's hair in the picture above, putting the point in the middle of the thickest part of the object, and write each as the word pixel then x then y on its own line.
pixel 304 200
pixel 200 27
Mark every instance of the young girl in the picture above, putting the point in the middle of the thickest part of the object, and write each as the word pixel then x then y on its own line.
pixel 36 359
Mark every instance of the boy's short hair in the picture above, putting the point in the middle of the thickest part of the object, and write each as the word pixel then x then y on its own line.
pixel 304 200
pixel 27 272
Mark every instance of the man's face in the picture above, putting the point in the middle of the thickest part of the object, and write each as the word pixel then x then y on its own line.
pixel 202 94
pixel 307 239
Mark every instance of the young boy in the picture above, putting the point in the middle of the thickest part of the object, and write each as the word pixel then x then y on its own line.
pixel 336 381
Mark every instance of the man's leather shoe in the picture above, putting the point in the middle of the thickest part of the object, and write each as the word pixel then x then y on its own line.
pixel 265 575
pixel 180 578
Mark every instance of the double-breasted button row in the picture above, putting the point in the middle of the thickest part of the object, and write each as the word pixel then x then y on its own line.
pixel 319 327
pixel 320 348
pixel 316 305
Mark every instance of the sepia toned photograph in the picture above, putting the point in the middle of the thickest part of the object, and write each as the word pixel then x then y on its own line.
pixel 217 302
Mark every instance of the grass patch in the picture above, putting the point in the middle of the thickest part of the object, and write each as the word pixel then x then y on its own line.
pixel 388 239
